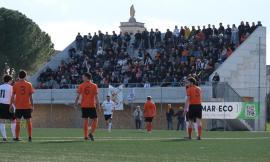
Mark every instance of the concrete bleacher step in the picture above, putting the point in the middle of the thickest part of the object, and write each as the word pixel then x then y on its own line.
pixel 216 100
pixel 241 71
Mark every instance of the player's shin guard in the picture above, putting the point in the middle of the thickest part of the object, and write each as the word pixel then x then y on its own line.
pixel 199 131
pixel 29 127
pixel 94 126
pixel 3 130
pixel 85 128
pixel 18 129
pixel 13 128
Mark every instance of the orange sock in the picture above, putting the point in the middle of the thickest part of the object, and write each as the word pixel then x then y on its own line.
pixel 85 127
pixel 29 127
pixel 149 127
pixel 94 126
pixel 200 131
pixel 189 132
pixel 18 129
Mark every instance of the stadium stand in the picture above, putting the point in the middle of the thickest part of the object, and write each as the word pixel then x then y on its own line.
pixel 242 78
pixel 147 58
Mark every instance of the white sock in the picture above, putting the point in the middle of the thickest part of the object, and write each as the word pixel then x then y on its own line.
pixel 187 123
pixel 13 127
pixel 3 130
pixel 110 126
pixel 196 128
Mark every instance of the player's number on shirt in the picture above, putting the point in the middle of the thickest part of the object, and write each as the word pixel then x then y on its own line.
pixel 2 93
pixel 22 90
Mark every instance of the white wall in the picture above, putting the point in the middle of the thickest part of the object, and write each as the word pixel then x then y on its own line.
pixel 159 94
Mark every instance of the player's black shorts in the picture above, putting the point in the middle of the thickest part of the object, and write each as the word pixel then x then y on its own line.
pixel 187 114
pixel 148 119
pixel 195 111
pixel 4 112
pixel 107 117
pixel 25 113
pixel 89 113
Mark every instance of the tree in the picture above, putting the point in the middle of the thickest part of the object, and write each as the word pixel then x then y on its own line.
pixel 23 45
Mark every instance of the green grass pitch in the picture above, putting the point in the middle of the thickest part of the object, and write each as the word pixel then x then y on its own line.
pixel 130 145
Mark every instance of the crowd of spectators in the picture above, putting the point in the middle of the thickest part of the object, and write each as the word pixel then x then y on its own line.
pixel 148 58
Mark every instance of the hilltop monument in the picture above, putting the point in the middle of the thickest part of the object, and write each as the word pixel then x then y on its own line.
pixel 132 26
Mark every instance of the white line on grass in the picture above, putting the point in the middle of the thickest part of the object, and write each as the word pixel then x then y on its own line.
pixel 73 139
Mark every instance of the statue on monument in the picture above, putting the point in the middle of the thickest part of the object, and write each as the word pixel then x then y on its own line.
pixel 132 14
pixel 132 11
pixel 132 26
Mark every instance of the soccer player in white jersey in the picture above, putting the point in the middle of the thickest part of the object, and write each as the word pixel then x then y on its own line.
pixel 108 106
pixel 5 112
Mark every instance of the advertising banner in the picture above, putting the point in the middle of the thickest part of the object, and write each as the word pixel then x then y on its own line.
pixel 116 94
pixel 230 110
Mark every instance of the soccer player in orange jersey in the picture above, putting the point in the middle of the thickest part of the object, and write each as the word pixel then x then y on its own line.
pixel 22 97
pixel 194 104
pixel 149 113
pixel 89 103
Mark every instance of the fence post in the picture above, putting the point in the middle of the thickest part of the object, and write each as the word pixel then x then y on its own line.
pixel 51 107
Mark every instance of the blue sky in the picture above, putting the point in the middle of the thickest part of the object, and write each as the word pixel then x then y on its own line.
pixel 62 19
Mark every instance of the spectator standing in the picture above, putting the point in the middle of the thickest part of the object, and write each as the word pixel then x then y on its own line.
pixel 259 24
pixel 180 119
pixel 182 32
pixel 168 38
pixel 138 115
pixel 221 29
pixel 145 39
pixel 228 33
pixel 215 31
pixel 176 33
pixel 138 39
pixel 235 35
pixel 241 29
pixel 247 28
pixel 253 27
pixel 157 38
pixel 152 39
pixel 169 117
pixel 79 40
pixel 215 82
pixel 187 33
pixel 209 31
